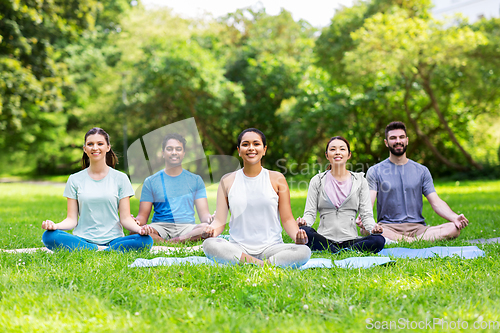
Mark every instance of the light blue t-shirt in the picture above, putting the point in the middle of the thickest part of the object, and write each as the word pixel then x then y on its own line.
pixel 98 201
pixel 173 197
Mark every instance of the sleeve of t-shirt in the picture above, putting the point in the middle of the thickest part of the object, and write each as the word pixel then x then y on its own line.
pixel 201 192
pixel 147 191
pixel 125 187
pixel 371 177
pixel 427 183
pixel 71 189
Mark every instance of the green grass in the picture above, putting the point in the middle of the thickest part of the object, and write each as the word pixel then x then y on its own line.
pixel 96 292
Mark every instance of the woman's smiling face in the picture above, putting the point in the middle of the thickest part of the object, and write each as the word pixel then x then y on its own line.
pixel 96 147
pixel 337 152
pixel 251 148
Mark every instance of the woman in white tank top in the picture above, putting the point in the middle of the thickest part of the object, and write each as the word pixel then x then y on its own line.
pixel 257 198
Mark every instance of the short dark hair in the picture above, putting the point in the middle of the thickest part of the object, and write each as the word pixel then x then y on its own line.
pixel 262 136
pixel 394 126
pixel 174 136
pixel 111 158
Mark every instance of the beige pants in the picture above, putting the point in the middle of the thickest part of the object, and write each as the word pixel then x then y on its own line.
pixel 407 229
pixel 168 230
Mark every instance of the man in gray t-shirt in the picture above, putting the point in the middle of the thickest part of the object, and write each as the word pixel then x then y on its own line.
pixel 398 184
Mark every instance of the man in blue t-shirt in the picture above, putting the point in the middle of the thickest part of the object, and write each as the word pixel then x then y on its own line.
pixel 398 184
pixel 173 192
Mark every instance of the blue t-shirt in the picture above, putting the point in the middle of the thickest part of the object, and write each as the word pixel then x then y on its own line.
pixel 98 202
pixel 399 190
pixel 173 197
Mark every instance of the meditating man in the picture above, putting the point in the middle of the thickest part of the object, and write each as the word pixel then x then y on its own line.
pixel 174 192
pixel 398 184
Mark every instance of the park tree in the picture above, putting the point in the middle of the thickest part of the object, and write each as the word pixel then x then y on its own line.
pixel 162 75
pixel 267 56
pixel 35 80
pixel 424 58
pixel 323 109
pixel 228 74
pixel 419 70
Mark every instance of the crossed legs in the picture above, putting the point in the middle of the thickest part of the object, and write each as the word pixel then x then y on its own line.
pixel 285 255
pixel 317 242
pixel 411 232
pixel 177 233
pixel 57 239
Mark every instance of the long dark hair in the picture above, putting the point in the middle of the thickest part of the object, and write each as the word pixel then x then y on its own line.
pixel 111 158
pixel 338 137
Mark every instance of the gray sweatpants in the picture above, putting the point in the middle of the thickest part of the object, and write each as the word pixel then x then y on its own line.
pixel 284 254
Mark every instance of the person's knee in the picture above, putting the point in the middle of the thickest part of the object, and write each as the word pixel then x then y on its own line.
pixel 310 232
pixel 209 246
pixel 379 242
pixel 307 229
pixel 147 240
pixel 49 236
pixel 303 254
pixel 305 251
pixel 453 231
pixel 155 235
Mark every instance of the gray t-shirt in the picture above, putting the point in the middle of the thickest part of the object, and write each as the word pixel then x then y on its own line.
pixel 98 200
pixel 399 190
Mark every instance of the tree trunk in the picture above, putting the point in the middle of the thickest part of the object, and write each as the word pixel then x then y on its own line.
pixel 435 106
pixel 424 137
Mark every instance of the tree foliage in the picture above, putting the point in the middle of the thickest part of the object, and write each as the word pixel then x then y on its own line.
pixel 66 66
pixel 35 79
pixel 422 71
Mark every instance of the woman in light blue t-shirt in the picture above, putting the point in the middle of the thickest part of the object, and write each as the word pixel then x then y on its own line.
pixel 95 197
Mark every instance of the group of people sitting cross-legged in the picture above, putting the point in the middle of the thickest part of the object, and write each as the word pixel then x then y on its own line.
pixel 99 204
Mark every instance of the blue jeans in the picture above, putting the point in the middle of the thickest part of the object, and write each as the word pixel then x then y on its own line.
pixel 317 242
pixel 57 239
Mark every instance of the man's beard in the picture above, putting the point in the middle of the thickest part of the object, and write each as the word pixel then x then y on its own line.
pixel 398 152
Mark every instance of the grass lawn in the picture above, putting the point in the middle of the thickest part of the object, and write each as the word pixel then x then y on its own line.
pixel 96 291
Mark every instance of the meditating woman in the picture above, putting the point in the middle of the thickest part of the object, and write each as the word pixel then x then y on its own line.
pixel 257 198
pixel 97 194
pixel 338 195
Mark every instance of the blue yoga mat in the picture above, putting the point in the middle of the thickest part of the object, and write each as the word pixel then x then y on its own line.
pixel 354 262
pixel 465 252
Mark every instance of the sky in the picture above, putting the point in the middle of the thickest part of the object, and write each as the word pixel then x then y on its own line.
pixel 316 12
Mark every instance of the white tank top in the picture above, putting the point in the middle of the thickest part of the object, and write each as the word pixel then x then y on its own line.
pixel 255 222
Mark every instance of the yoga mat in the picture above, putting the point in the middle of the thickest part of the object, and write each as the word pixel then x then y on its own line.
pixel 154 249
pixel 354 262
pixel 484 241
pixel 465 252
pixel 162 261
pixel 171 249
pixel 30 250
pixel 362 262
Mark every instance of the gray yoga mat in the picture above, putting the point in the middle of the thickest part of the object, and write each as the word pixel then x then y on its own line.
pixel 484 240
